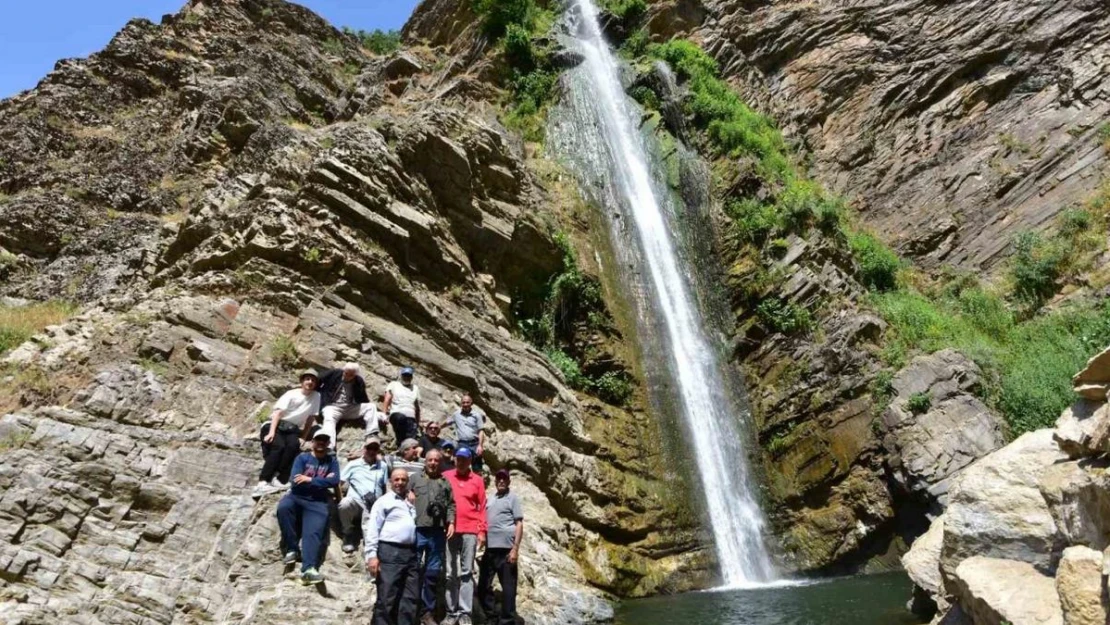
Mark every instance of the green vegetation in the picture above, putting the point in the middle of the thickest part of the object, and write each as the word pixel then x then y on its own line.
pixel 627 11
pixel 313 255
pixel 919 403
pixel 878 265
pixel 284 351
pixel 377 41
pixel 334 46
pixel 19 323
pixel 784 317
pixel 1104 134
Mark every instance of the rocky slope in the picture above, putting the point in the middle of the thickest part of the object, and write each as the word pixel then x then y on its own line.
pixel 232 194
pixel 1026 538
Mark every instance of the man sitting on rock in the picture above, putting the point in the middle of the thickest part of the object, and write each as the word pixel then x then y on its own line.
pixel 407 458
pixel 431 439
pixel 303 513
pixel 293 415
pixel 402 404
pixel 448 446
pixel 364 480
pixel 342 394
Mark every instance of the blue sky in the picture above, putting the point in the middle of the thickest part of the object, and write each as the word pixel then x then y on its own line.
pixel 34 34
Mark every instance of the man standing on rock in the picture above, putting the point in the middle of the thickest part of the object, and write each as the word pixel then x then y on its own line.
pixel 470 534
pixel 365 481
pixel 435 524
pixel 469 422
pixel 290 420
pixel 342 393
pixel 505 523
pixel 391 553
pixel 303 512
pixel 402 404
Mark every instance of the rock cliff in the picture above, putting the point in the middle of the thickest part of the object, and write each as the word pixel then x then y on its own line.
pixel 232 194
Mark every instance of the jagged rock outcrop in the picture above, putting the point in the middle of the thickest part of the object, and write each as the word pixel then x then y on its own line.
pixel 238 192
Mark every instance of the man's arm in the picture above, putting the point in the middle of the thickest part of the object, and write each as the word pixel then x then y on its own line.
pixel 275 417
pixel 377 520
pixel 482 522
pixel 387 401
pixel 298 466
pixel 331 480
pixel 518 535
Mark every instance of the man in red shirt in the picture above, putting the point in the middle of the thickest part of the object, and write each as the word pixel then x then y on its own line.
pixel 469 491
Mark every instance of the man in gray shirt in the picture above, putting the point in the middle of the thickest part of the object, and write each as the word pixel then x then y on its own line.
pixel 469 422
pixel 435 523
pixel 504 530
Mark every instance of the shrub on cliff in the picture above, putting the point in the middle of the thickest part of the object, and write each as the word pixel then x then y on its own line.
pixel 377 41
pixel 498 15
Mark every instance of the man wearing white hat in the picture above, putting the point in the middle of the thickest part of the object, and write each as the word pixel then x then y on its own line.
pixel 342 395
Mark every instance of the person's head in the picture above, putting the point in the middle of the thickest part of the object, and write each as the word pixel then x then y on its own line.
pixel 408 449
pixel 308 381
pixel 467 403
pixel 448 448
pixel 399 481
pixel 371 448
pixel 432 430
pixel 406 375
pixel 320 444
pixel 433 460
pixel 501 480
pixel 463 458
pixel 350 371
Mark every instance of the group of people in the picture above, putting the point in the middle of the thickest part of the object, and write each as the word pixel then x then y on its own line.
pixel 417 512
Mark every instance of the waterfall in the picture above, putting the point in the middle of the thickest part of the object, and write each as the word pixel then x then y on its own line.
pixel 600 135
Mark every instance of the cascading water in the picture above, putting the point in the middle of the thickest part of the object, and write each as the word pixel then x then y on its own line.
pixel 608 153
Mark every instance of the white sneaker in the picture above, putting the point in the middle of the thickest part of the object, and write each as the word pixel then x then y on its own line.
pixel 278 485
pixel 260 489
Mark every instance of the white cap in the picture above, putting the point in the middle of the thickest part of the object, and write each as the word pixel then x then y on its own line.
pixel 350 366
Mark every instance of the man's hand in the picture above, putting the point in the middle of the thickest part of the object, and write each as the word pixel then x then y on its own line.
pixel 481 541
pixel 513 555
pixel 354 455
pixel 478 451
pixel 411 497
pixel 301 479
pixel 269 438
pixel 372 565
pixel 450 530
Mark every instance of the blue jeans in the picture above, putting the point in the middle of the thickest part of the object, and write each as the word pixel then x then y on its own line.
pixel 304 521
pixel 431 542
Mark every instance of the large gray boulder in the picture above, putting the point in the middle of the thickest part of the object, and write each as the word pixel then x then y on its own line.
pixel 997 511
pixel 929 447
pixel 993 591
pixel 1078 497
pixel 1084 429
pixel 922 564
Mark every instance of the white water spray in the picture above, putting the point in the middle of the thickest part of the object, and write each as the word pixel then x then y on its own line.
pixel 734 515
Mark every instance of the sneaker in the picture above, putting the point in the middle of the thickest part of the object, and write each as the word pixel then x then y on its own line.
pixel 465 620
pixel 428 619
pixel 311 576
pixel 291 558
pixel 259 490
pixel 348 548
pixel 274 483
pixel 450 620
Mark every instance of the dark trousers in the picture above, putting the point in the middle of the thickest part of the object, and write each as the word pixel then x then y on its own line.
pixel 496 562
pixel 279 455
pixel 404 427
pixel 398 585
pixel 431 543
pixel 304 521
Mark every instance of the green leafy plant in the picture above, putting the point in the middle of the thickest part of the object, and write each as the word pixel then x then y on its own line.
pixel 313 255
pixel 614 387
pixel 878 265
pixel 378 41
pixel 1035 267
pixel 498 15
pixel 284 351
pixel 782 316
pixel 919 403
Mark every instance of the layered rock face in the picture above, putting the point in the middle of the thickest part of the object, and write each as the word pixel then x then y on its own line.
pixel 1026 535
pixel 238 192
pixel 953 125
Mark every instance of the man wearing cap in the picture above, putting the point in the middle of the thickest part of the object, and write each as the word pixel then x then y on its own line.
pixel 435 523
pixel 470 534
pixel 448 447
pixel 364 480
pixel 505 528
pixel 303 513
pixel 391 553
pixel 469 422
pixel 402 404
pixel 290 420
pixel 342 394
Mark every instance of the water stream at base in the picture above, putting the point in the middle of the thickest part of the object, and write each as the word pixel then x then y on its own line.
pixel 609 155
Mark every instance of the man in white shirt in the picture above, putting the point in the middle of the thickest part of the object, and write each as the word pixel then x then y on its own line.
pixel 364 480
pixel 290 420
pixel 402 404
pixel 391 553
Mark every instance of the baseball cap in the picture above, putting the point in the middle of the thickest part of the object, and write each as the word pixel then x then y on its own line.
pixel 407 444
pixel 372 440
pixel 308 372
pixel 463 453
pixel 502 474
pixel 448 444
pixel 321 436
pixel 407 371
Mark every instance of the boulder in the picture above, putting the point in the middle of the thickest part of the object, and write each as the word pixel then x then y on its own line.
pixel 402 65
pixel 928 448
pixel 922 564
pixel 1084 429
pixel 1081 587
pixel 994 591
pixel 1078 497
pixel 996 508
pixel 1094 380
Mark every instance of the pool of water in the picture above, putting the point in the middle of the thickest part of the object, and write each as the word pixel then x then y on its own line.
pixel 862 600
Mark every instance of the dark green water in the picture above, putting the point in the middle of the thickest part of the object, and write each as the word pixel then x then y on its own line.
pixel 862 600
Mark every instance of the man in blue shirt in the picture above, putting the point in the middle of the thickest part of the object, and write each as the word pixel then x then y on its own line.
pixel 303 512
pixel 365 481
